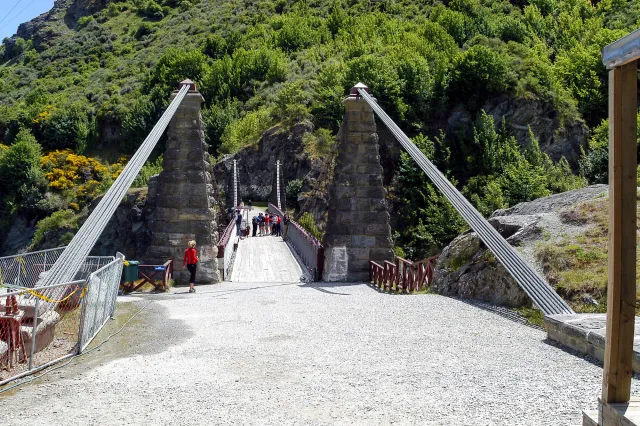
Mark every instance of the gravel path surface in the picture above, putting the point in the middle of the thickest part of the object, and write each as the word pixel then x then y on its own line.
pixel 247 353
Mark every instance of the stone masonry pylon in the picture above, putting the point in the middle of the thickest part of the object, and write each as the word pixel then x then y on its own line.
pixel 358 227
pixel 185 206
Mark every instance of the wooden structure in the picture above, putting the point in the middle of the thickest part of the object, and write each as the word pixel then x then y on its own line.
pixel 10 332
pixel 403 275
pixel 153 273
pixel 620 58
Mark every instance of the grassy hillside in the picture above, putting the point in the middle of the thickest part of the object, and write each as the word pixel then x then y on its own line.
pixel 96 84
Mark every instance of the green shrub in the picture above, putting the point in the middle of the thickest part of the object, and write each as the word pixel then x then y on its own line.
pixel 319 144
pixel 20 167
pixel 245 131
pixel 291 193
pixel 152 10
pixel 84 21
pixel 145 28
pixel 175 66
pixel 66 127
pixel 291 104
pixel 57 222
pixel 150 168
pixel 309 224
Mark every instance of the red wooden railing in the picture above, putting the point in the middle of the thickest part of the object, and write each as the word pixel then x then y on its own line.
pixel 403 276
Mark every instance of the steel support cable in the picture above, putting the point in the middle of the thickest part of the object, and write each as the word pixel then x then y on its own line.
pixel 100 214
pixel 70 261
pixel 543 299
pixel 8 13
pixel 528 279
pixel 97 221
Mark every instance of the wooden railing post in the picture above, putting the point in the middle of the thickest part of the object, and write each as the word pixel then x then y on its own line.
pixel 621 292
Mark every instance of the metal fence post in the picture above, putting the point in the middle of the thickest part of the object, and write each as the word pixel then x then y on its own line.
pixel 83 313
pixel 278 182
pixel 235 185
pixel 34 332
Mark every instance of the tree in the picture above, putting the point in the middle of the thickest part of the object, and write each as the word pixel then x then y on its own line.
pixel 478 73
pixel 20 174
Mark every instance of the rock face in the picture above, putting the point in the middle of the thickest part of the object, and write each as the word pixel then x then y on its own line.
pixel 467 269
pixel 555 138
pixel 64 15
pixel 185 205
pixel 358 221
pixel 257 165
pixel 128 230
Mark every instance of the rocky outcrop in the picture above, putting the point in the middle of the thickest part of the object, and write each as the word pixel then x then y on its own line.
pixel 558 139
pixel 128 231
pixel 467 269
pixel 257 165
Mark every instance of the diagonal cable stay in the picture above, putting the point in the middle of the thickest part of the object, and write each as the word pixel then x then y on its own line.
pixel 70 261
pixel 18 14
pixel 9 12
pixel 536 287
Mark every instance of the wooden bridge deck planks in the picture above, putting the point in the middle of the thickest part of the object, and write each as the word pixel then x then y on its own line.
pixel 265 259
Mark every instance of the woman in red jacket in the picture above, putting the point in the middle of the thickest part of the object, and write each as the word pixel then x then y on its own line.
pixel 191 261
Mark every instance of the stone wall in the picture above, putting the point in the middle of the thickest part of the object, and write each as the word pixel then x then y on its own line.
pixel 185 205
pixel 358 219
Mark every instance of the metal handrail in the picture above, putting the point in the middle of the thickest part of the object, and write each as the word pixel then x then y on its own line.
pixel 308 248
pixel 224 251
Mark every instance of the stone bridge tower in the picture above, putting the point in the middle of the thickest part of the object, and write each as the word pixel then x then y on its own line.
pixel 358 227
pixel 185 205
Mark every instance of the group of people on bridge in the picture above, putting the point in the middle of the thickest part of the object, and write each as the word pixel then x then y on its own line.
pixel 266 224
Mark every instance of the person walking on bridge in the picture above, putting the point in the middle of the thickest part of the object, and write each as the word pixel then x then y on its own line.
pixel 238 222
pixel 254 223
pixel 267 223
pixel 190 260
pixel 261 223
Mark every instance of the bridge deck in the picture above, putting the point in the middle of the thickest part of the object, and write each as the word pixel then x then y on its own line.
pixel 265 259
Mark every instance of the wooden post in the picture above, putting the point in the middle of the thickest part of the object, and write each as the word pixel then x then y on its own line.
pixel 621 292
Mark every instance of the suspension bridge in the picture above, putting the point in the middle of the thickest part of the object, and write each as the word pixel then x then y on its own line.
pixel 277 357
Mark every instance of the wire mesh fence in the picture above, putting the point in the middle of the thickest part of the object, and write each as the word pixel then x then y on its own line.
pixel 43 325
pixel 100 301
pixel 25 270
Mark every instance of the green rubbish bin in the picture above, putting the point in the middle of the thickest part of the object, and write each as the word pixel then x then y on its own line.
pixel 131 271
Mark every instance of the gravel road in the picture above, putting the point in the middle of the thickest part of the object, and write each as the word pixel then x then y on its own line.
pixel 250 353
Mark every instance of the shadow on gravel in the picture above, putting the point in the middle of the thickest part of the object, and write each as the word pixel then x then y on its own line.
pixel 202 292
pixel 150 332
pixel 588 358
pixel 499 310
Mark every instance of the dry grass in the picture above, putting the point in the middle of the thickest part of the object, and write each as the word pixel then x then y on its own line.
pixel 577 266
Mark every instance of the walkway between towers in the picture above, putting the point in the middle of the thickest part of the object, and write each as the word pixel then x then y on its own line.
pixel 266 258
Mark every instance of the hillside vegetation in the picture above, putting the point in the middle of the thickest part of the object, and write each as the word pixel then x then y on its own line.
pixel 96 84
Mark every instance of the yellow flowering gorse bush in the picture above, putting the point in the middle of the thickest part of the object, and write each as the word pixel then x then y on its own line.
pixel 45 114
pixel 83 175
